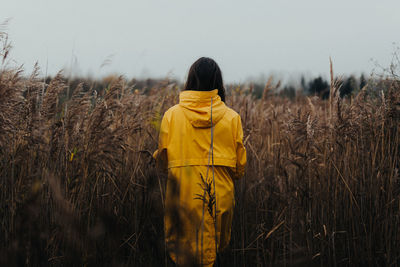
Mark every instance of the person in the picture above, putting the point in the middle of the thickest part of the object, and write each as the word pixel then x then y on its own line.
pixel 201 145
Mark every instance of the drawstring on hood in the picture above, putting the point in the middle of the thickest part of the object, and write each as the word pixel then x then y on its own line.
pixel 196 107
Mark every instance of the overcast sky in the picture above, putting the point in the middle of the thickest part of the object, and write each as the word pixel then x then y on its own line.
pixel 164 37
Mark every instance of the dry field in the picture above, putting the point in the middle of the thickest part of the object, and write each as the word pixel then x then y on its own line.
pixel 78 186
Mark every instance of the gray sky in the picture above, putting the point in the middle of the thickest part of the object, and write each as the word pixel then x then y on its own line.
pixel 164 37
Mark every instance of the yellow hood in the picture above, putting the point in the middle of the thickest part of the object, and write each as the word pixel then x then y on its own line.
pixel 197 107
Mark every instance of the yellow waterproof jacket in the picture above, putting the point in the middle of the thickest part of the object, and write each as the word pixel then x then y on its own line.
pixel 195 168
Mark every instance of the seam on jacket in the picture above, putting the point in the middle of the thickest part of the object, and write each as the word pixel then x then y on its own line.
pixel 201 162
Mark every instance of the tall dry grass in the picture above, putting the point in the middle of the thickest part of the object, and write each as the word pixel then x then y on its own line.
pixel 79 187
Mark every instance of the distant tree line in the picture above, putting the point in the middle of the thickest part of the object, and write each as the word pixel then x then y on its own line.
pixel 318 86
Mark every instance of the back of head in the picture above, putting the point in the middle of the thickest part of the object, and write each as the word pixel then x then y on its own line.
pixel 205 75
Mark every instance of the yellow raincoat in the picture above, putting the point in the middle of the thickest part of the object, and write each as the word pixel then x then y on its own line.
pixel 185 144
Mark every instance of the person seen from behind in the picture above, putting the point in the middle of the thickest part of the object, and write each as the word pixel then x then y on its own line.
pixel 201 146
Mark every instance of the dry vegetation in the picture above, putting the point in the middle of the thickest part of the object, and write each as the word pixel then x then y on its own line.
pixel 79 187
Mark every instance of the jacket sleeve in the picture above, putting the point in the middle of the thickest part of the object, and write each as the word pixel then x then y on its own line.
pixel 240 150
pixel 160 155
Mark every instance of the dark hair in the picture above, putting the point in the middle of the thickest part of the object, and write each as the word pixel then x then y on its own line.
pixel 205 75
